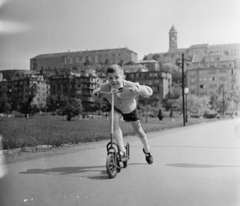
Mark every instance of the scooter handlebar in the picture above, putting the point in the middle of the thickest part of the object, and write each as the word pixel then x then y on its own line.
pixel 119 90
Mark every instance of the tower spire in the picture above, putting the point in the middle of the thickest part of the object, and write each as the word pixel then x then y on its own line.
pixel 172 38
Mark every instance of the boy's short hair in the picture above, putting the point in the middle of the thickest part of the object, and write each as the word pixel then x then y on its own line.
pixel 114 68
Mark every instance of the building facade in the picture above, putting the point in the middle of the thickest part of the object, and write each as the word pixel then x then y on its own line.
pixel 77 60
pixel 229 50
pixel 160 82
pixel 209 67
pixel 20 87
pixel 78 85
pixel 206 81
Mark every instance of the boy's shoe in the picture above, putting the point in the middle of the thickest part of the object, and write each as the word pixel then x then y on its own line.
pixel 124 157
pixel 149 157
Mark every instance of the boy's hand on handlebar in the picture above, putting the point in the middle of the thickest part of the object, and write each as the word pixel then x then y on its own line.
pixel 134 89
pixel 96 93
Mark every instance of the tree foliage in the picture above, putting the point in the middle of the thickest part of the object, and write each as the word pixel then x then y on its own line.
pixel 195 104
pixel 64 106
pixel 169 101
pixel 55 102
pixel 27 107
pixel 72 107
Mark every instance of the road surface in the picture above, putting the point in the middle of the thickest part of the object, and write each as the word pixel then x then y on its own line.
pixel 193 166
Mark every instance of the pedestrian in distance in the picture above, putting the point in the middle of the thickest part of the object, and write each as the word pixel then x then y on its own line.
pixel 125 106
pixel 160 115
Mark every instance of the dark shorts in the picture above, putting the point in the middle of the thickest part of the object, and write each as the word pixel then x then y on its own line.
pixel 130 117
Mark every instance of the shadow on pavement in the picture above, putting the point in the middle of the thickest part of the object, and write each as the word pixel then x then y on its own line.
pixel 75 170
pixel 64 170
pixel 187 165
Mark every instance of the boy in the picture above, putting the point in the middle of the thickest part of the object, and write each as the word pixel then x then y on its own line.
pixel 125 106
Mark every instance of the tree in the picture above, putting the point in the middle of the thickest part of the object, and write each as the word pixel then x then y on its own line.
pixel 169 101
pixel 235 97
pixel 3 102
pixel 222 100
pixel 145 58
pixel 72 108
pixel 107 62
pixel 8 108
pixel 195 104
pixel 129 62
pixel 169 67
pixel 54 102
pixel 87 63
pixel 177 77
pixel 155 57
pixel 26 107
pixel 121 63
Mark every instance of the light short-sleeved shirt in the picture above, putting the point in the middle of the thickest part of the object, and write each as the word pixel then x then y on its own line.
pixel 125 101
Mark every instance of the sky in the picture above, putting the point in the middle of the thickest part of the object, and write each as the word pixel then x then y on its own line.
pixel 32 27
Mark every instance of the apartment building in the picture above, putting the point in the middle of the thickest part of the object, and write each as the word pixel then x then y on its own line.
pixel 78 85
pixel 160 82
pixel 206 81
pixel 77 60
pixel 230 50
pixel 20 87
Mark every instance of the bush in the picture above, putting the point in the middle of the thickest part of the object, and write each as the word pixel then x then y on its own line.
pixel 210 115
pixel 195 115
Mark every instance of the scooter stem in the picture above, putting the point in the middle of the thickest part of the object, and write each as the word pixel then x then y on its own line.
pixel 112 116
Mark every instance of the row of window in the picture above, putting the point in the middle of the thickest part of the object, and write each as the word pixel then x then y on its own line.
pixel 211 86
pixel 213 71
pixel 81 59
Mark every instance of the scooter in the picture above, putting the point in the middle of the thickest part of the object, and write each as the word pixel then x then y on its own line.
pixel 114 158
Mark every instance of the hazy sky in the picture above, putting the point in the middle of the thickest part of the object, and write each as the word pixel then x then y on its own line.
pixel 32 27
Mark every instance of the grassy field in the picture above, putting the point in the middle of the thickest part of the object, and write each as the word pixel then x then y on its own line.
pixel 56 131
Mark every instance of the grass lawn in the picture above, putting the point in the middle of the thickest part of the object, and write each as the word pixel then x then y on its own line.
pixel 56 131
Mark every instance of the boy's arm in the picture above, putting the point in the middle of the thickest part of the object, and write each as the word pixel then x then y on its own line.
pixel 96 95
pixel 142 90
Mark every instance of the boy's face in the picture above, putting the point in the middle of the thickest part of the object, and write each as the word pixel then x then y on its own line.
pixel 115 79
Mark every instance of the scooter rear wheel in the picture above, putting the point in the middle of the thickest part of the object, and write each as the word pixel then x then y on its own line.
pixel 111 165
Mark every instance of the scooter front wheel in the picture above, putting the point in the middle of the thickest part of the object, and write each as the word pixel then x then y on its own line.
pixel 128 154
pixel 111 164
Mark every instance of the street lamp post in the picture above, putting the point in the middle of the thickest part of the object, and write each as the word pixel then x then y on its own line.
pixel 186 90
pixel 180 62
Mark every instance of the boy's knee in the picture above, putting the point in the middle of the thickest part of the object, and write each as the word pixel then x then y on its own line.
pixel 116 129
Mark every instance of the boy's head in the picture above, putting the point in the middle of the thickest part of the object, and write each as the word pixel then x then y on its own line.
pixel 115 76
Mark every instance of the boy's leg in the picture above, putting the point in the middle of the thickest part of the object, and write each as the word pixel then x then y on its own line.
pixel 142 135
pixel 117 132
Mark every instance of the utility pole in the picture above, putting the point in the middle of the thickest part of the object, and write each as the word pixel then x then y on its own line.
pixel 180 62
pixel 223 100
pixel 183 102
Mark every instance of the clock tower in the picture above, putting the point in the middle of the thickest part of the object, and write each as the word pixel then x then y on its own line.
pixel 172 39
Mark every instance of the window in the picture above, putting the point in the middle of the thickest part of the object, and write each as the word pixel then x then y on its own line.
pixel 202 86
pixel 233 71
pixel 222 78
pixel 212 86
pixel 212 78
pixel 192 74
pixel 222 70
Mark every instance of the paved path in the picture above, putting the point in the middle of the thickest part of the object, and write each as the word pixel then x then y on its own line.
pixel 193 166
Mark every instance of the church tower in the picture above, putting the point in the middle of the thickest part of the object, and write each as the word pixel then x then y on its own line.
pixel 172 39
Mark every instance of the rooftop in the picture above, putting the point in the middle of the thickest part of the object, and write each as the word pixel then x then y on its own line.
pixel 81 52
